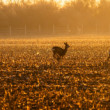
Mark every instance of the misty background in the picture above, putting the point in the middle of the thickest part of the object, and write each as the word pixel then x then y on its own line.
pixel 42 17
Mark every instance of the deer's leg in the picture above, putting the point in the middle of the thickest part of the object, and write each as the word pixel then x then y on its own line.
pixel 58 59
pixel 54 55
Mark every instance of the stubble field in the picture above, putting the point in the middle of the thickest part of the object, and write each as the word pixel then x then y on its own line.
pixel 30 79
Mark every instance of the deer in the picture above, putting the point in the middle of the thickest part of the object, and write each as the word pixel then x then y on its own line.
pixel 58 52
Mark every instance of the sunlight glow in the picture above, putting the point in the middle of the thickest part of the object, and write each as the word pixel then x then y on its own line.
pixel 60 2
pixel 98 1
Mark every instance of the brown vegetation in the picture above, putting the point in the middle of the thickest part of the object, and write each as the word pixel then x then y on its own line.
pixel 30 79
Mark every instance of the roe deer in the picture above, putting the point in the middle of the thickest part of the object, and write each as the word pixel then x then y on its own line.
pixel 58 52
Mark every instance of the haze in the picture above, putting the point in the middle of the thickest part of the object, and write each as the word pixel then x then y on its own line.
pixel 54 17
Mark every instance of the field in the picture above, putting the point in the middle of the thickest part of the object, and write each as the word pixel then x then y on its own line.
pixel 30 79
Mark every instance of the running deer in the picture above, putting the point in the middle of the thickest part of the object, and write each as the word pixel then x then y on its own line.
pixel 58 52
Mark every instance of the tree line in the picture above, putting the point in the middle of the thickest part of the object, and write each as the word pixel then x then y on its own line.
pixel 75 14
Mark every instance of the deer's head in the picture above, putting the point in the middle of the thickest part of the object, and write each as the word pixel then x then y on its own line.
pixel 66 44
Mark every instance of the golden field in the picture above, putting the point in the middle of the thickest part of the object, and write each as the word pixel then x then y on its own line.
pixel 31 79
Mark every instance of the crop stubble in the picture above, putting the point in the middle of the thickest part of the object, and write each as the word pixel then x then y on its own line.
pixel 31 79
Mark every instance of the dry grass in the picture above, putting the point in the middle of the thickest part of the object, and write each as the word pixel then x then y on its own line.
pixel 31 79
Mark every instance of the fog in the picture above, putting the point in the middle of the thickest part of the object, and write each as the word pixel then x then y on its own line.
pixel 76 17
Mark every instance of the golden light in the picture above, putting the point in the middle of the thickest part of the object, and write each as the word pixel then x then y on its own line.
pixel 60 2
pixel 9 1
pixel 5 1
pixel 97 1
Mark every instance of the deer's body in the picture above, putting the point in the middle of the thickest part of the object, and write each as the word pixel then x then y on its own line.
pixel 58 52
